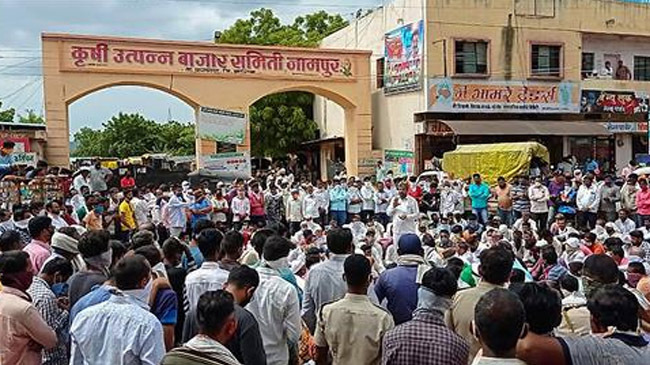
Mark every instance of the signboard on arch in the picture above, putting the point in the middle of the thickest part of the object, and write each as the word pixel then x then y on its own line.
pixel 219 125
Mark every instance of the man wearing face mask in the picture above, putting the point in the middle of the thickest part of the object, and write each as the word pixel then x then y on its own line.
pixel 176 211
pixel 275 304
pixel 426 339
pixel 98 177
pixel 95 250
pixel 120 330
pixel 41 230
pixel 24 332
pixel 218 325
pixel 246 345
pixel 53 310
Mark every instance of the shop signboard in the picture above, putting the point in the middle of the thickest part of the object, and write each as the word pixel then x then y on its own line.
pixel 616 102
pixel 400 162
pixel 403 49
pixel 627 127
pixel 25 158
pixel 219 125
pixel 229 164
pixel 477 96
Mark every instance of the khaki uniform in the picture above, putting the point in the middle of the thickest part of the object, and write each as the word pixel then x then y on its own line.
pixel 353 328
pixel 461 313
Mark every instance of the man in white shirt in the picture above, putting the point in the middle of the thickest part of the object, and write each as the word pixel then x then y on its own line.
pixel 587 202
pixel 82 178
pixel 175 212
pixel 140 208
pixel 624 224
pixel 275 303
pixel 295 211
pixel 240 206
pixel 368 197
pixel 53 209
pixel 310 204
pixel 354 199
pixel 121 330
pixel 381 203
pixel 323 197
pixel 404 211
pixel 209 276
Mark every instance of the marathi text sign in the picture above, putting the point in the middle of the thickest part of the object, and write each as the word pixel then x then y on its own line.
pixel 221 125
pixel 447 95
pixel 25 158
pixel 208 59
pixel 403 58
pixel 230 164
pixel 617 102
pixel 400 162
pixel 627 127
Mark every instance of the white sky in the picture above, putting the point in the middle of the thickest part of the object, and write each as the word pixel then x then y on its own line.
pixel 22 21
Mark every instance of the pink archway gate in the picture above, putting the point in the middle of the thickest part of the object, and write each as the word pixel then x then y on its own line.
pixel 229 77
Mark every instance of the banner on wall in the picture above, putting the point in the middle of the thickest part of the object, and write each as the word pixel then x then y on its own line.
pixel 617 102
pixel 400 162
pixel 25 158
pixel 230 164
pixel 219 125
pixel 403 58
pixel 478 96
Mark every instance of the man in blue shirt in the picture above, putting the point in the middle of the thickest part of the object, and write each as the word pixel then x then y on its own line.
pixel 201 208
pixel 338 200
pixel 479 192
pixel 7 159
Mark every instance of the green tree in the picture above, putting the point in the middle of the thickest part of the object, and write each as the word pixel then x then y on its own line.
pixel 280 122
pixel 7 116
pixel 127 135
pixel 31 117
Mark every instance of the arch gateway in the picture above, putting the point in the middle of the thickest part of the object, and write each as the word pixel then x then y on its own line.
pixel 203 74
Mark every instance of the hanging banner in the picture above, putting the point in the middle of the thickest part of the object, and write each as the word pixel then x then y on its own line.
pixel 477 96
pixel 230 164
pixel 400 162
pixel 617 102
pixel 223 126
pixel 403 58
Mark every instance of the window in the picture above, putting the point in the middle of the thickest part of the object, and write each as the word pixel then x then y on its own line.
pixel 641 68
pixel 471 57
pixel 546 60
pixel 587 65
pixel 380 72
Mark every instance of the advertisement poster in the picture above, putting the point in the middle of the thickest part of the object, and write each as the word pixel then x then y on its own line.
pixel 477 96
pixel 221 125
pixel 617 102
pixel 230 164
pixel 403 58
pixel 400 162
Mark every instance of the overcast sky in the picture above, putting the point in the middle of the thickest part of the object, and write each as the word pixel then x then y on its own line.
pixel 22 21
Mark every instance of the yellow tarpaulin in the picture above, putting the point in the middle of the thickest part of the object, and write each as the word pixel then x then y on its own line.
pixel 493 160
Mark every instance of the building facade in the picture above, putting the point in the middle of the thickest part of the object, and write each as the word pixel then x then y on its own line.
pixel 571 74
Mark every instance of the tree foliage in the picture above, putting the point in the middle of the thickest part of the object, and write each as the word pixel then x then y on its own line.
pixel 127 135
pixel 7 116
pixel 31 117
pixel 280 122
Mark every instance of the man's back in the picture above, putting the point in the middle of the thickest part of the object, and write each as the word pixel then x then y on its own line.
pixel 618 349
pixel 398 286
pixel 208 277
pixel 118 331
pixel 352 328
pixel 324 284
pixel 424 340
pixel 276 309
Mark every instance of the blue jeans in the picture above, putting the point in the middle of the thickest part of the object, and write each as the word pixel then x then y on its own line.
pixel 506 217
pixel 481 214
pixel 339 216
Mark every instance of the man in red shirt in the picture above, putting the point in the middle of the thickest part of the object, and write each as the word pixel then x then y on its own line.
pixel 127 182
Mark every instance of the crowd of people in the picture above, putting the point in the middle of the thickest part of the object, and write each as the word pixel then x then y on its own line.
pixel 374 270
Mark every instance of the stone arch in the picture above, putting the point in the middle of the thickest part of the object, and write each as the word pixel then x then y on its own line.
pixel 230 77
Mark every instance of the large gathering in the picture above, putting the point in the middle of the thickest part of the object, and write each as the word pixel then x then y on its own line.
pixel 383 269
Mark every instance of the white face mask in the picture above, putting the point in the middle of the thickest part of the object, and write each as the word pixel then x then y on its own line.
pixel 141 294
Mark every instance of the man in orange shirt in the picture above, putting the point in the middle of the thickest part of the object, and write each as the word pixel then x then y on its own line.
pixel 590 246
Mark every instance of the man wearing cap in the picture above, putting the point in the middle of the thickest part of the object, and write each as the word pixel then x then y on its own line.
pixel 399 285
pixel 404 211
pixel 82 178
